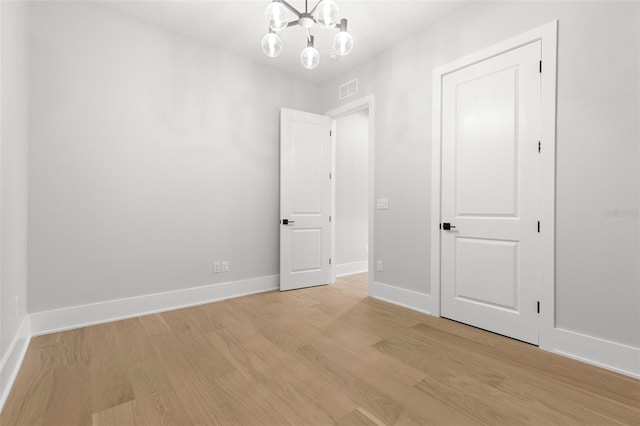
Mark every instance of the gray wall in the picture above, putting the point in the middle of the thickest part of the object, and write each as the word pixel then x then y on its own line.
pixel 351 180
pixel 13 169
pixel 597 277
pixel 152 156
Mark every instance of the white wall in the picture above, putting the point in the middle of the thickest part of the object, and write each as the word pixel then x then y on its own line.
pixel 351 181
pixel 598 134
pixel 13 173
pixel 151 157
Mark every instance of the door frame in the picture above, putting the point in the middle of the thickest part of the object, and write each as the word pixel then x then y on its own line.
pixel 547 34
pixel 367 102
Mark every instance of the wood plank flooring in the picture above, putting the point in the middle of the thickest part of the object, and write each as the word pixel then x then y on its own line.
pixel 324 355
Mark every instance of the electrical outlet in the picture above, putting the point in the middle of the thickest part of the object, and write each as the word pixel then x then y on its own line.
pixel 225 266
pixel 15 301
pixel 216 267
pixel 379 266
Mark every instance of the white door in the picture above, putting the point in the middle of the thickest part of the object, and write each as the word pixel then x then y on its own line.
pixel 305 199
pixel 490 128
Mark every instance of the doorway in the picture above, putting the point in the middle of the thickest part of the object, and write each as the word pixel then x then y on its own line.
pixel 350 196
pixel 352 127
pixel 307 194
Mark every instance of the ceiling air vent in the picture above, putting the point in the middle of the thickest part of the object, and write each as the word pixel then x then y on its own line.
pixel 348 89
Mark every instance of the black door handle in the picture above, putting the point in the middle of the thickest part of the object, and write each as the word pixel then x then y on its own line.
pixel 447 226
pixel 287 221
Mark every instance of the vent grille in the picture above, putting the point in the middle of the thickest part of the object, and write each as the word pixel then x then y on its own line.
pixel 350 88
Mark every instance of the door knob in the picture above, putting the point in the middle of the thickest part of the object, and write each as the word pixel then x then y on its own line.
pixel 287 221
pixel 447 226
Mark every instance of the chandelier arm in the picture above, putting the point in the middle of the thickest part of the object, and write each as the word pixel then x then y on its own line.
pixel 291 8
pixel 292 24
pixel 315 7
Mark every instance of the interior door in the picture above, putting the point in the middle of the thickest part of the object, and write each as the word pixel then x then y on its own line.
pixel 305 199
pixel 490 134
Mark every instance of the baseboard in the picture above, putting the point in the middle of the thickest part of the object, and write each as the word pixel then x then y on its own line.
pixel 113 310
pixel 592 350
pixel 351 268
pixel 12 360
pixel 609 355
pixel 399 296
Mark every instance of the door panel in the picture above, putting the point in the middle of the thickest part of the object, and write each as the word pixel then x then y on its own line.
pixel 486 108
pixel 305 197
pixel 307 255
pixel 306 150
pixel 486 272
pixel 490 114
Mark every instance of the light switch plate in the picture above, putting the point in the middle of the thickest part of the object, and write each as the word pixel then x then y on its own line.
pixel 382 203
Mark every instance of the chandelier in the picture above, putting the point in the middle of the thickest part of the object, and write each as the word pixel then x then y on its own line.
pixel 325 13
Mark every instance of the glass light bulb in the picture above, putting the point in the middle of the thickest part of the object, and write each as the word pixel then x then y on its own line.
pixel 327 13
pixel 276 15
pixel 310 58
pixel 342 43
pixel 271 45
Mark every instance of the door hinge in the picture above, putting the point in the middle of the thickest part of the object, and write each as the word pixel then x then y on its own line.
pixel 329 261
pixel 538 306
pixel 538 226
pixel 541 67
pixel 329 176
pixel 330 133
pixel 329 218
pixel 440 226
pixel 539 146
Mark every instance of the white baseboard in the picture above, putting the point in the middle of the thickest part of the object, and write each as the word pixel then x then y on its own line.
pixel 592 350
pixel 12 359
pixel 113 310
pixel 351 268
pixel 399 296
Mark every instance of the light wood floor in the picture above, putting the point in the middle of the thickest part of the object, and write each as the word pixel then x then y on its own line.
pixel 324 355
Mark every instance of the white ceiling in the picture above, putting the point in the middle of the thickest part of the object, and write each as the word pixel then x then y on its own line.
pixel 239 26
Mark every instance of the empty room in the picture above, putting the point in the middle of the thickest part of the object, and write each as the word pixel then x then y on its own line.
pixel 325 212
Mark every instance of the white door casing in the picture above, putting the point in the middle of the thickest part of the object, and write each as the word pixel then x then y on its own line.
pixel 490 172
pixel 305 199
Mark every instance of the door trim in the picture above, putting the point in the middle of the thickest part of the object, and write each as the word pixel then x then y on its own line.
pixel 547 34
pixel 367 102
